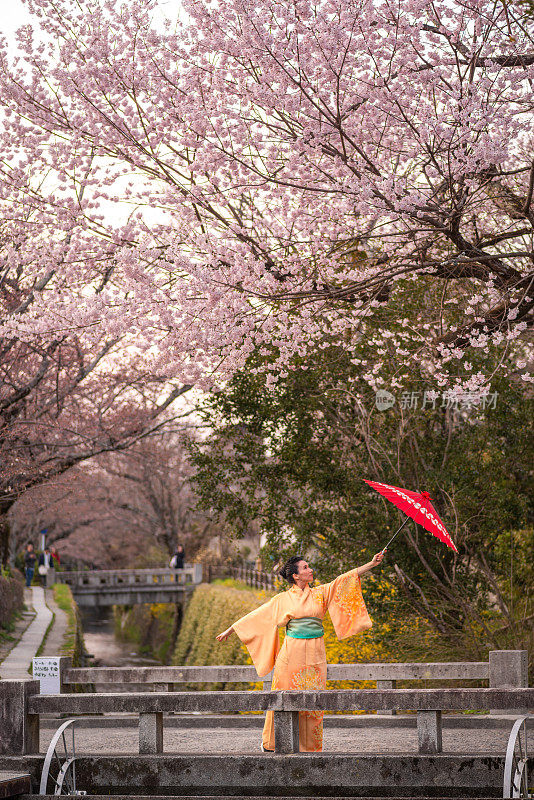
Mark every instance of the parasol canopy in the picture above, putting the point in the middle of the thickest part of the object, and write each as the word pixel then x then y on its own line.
pixel 417 506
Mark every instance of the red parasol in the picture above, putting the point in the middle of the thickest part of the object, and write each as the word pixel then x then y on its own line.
pixel 418 506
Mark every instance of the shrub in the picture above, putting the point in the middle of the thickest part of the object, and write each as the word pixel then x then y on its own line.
pixel 11 598
pixel 212 609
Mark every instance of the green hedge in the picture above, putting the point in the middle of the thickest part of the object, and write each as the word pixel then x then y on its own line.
pixel 211 610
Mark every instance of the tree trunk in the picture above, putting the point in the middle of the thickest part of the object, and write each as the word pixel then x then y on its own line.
pixel 5 533
pixel 178 615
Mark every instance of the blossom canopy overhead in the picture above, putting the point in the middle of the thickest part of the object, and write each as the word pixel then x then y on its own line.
pixel 260 173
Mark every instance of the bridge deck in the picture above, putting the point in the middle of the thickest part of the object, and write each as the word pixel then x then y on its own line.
pixel 241 797
pixel 364 737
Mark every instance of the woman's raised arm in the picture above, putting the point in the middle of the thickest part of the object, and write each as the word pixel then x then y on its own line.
pixel 371 564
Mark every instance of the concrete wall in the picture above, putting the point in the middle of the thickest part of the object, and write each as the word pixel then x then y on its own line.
pixel 304 775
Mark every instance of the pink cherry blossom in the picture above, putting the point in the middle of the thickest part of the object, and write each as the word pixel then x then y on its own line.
pixel 259 173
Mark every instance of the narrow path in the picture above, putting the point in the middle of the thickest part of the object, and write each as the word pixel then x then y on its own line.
pixel 16 664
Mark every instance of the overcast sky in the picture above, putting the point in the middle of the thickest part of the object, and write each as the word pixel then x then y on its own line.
pixel 15 15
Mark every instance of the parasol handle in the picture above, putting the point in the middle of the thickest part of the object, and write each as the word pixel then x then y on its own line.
pixel 401 527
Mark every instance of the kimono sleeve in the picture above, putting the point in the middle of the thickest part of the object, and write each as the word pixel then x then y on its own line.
pixel 259 632
pixel 346 606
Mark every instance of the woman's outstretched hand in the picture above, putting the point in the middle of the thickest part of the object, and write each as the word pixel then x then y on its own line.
pixel 378 558
pixel 222 637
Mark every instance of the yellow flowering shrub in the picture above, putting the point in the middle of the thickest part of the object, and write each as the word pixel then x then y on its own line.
pixel 211 610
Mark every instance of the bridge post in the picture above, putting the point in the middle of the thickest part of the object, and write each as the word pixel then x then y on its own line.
pixel 267 682
pixel 65 663
pixel 19 731
pixel 151 733
pixel 386 685
pixel 429 732
pixel 286 731
pixel 508 669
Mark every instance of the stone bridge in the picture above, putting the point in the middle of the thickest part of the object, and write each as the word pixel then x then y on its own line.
pixel 131 586
pixel 161 765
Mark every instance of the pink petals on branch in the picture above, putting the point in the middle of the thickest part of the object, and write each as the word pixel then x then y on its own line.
pixel 260 173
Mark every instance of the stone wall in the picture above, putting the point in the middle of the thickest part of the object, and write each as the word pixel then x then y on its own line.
pixel 73 643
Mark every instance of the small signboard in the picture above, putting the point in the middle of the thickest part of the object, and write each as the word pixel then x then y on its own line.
pixel 46 670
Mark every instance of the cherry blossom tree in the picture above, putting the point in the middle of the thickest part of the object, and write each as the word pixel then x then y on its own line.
pixel 150 485
pixel 119 507
pixel 61 405
pixel 80 524
pixel 256 173
pixel 65 396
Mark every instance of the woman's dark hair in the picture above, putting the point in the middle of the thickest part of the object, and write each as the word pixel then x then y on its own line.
pixel 290 568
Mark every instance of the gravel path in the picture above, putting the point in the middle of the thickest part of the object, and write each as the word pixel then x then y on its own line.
pixel 243 740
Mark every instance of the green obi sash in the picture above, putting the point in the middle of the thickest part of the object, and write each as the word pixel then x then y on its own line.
pixel 305 628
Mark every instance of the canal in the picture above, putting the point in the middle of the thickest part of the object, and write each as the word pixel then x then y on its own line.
pixel 107 650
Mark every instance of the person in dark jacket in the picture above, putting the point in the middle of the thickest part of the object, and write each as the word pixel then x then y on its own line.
pixel 29 563
pixel 177 561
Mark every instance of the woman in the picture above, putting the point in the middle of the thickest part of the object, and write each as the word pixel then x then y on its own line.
pixel 301 662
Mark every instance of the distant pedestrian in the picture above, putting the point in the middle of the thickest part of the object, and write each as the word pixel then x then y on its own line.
pixel 55 557
pixel 45 563
pixel 29 563
pixel 177 561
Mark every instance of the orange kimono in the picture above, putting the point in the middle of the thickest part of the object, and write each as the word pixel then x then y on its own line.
pixel 301 662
